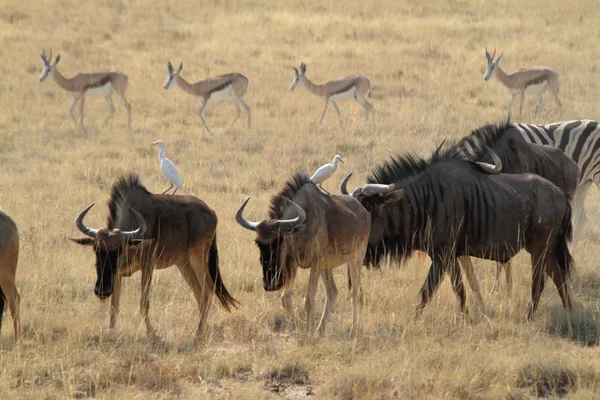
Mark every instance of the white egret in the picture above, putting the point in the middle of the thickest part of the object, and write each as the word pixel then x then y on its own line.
pixel 168 169
pixel 325 172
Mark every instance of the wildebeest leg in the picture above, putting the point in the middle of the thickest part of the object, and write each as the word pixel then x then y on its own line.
pixel 457 284
pixel 202 296
pixel 288 306
pixel 11 294
pixel 499 267
pixel 354 275
pixel 509 281
pixel 324 110
pixel 471 277
pixel 147 270
pixel 537 283
pixel 309 300
pixel 115 300
pixel 331 293
pixel 170 187
pixel 561 282
pixel 199 263
pixel 434 277
pixel 578 204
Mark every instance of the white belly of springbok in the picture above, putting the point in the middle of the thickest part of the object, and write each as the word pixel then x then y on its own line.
pixel 223 94
pixel 535 89
pixel 100 91
pixel 348 94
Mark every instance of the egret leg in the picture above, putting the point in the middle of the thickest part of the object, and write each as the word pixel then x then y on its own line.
pixel 170 187
pixel 323 189
pixel 175 191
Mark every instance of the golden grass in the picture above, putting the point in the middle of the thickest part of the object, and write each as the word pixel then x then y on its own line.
pixel 425 61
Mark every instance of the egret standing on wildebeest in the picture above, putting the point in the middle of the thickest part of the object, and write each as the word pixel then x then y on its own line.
pixel 325 172
pixel 146 231
pixel 517 156
pixel 449 208
pixel 308 229
pixel 9 256
pixel 167 167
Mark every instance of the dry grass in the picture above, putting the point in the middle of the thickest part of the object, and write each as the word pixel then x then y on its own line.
pixel 425 60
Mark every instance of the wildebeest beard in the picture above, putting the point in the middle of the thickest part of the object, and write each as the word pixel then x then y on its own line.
pixel 106 267
pixel 396 248
pixel 274 274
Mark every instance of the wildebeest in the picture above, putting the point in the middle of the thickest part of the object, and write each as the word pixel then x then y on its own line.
pixel 9 256
pixel 146 231
pixel 309 229
pixel 517 156
pixel 450 208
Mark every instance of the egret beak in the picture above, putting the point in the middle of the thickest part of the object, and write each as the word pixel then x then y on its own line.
pixel 153 143
pixel 342 161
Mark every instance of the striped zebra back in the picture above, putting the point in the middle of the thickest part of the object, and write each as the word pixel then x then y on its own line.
pixel 579 139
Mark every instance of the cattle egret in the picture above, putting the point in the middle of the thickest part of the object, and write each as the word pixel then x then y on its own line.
pixel 167 167
pixel 325 172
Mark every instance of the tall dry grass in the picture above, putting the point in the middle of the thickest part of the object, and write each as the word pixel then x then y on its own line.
pixel 425 61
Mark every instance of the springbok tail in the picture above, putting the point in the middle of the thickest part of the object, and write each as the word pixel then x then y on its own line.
pixel 227 301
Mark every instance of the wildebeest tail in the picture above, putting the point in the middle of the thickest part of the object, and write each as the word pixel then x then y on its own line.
pixel 2 303
pixel 227 301
pixel 561 249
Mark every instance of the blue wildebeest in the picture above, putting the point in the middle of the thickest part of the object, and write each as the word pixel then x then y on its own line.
pixel 309 229
pixel 449 208
pixel 146 231
pixel 9 256
pixel 517 156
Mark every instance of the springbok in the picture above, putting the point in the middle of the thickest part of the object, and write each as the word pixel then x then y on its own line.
pixel 308 229
pixel 225 87
pixel 526 80
pixel 148 231
pixel 9 256
pixel 353 86
pixel 97 84
pixel 450 207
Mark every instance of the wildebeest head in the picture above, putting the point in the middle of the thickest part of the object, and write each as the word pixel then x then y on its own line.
pixel 271 237
pixel 109 246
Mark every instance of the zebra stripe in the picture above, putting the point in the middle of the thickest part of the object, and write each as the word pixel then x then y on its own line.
pixel 579 139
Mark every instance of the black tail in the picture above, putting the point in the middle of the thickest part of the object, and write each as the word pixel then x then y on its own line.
pixel 561 249
pixel 227 301
pixel 2 302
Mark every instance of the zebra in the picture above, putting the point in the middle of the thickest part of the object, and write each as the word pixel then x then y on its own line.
pixel 580 140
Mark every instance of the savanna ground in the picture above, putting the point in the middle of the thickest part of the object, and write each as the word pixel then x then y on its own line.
pixel 425 60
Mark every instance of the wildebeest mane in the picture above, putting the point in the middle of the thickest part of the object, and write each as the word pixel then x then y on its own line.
pixel 478 139
pixel 119 191
pixel 291 188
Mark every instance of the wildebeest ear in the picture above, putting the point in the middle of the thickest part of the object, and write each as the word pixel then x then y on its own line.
pixel 84 241
pixel 138 243
pixel 395 196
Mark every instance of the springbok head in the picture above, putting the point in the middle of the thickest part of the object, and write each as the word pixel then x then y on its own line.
pixel 298 76
pixel 492 65
pixel 171 77
pixel 271 238
pixel 109 246
pixel 48 65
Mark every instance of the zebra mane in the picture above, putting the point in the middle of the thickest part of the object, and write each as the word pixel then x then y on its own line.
pixel 291 188
pixel 473 146
pixel 119 193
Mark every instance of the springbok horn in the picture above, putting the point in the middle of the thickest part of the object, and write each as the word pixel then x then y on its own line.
pixel 296 69
pixel 491 168
pixel 494 53
pixel 343 188
pixel 139 232
pixel 439 147
pixel 290 223
pixel 239 217
pixel 487 54
pixel 170 67
pixel 91 232
pixel 377 188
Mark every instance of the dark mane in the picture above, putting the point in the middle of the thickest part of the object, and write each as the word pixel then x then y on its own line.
pixel 292 186
pixel 476 141
pixel 119 191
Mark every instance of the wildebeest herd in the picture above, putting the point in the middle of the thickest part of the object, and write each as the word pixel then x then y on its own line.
pixel 498 190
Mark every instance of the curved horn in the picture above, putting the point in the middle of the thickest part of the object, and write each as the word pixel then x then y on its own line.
pixel 377 188
pixel 296 70
pixel 494 53
pixel 343 188
pixel 139 232
pixel 91 232
pixel 290 223
pixel 239 217
pixel 491 168
pixel 437 150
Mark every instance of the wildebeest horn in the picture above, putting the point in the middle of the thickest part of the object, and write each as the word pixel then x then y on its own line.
pixel 290 223
pixel 91 232
pixel 343 188
pixel 489 168
pixel 377 188
pixel 239 217
pixel 139 232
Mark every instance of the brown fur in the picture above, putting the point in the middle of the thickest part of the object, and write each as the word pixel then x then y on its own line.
pixel 9 256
